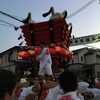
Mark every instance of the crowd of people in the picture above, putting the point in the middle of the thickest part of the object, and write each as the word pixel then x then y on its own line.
pixel 66 87
pixel 45 86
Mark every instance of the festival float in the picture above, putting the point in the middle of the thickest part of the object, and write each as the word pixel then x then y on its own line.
pixel 56 33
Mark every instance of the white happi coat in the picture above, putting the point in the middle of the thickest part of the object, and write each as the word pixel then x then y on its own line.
pixel 57 93
pixel 45 62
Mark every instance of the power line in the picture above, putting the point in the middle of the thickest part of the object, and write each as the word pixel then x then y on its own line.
pixel 25 21
pixel 5 22
pixel 2 24
pixel 81 9
pixel 14 15
pixel 71 15
pixel 8 24
pixel 11 16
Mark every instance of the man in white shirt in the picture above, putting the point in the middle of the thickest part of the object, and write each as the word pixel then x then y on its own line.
pixel 25 92
pixel 66 88
pixel 83 87
pixel 53 93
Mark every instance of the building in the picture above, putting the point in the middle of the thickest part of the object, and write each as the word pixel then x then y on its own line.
pixel 8 57
pixel 86 63
pixel 9 60
pixel 85 39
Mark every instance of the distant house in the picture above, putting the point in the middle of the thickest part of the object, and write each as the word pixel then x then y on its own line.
pixel 9 60
pixel 8 57
pixel 86 63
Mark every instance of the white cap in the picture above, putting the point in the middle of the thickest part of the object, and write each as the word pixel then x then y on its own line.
pixel 82 86
pixel 23 80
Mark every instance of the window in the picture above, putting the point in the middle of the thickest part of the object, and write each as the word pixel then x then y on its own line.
pixel 87 39
pixel 10 56
pixel 0 60
pixel 82 58
pixel 76 41
pixel 5 59
pixel 98 74
pixel 93 38
pixel 98 37
pixel 71 41
pixel 81 40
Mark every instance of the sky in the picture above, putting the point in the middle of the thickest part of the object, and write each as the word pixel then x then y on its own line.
pixel 86 22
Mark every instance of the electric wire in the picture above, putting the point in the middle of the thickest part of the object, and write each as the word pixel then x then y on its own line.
pixel 2 24
pixel 5 23
pixel 71 15
pixel 81 9
pixel 11 16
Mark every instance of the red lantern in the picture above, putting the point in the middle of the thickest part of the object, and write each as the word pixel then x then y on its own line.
pixel 23 54
pixel 31 52
pixel 57 49
pixel 63 51
pixel 68 55
pixel 52 51
pixel 37 50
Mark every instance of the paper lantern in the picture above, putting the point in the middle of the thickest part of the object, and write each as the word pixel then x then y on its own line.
pixel 37 50
pixel 63 51
pixel 68 55
pixel 52 51
pixel 57 49
pixel 31 52
pixel 23 54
